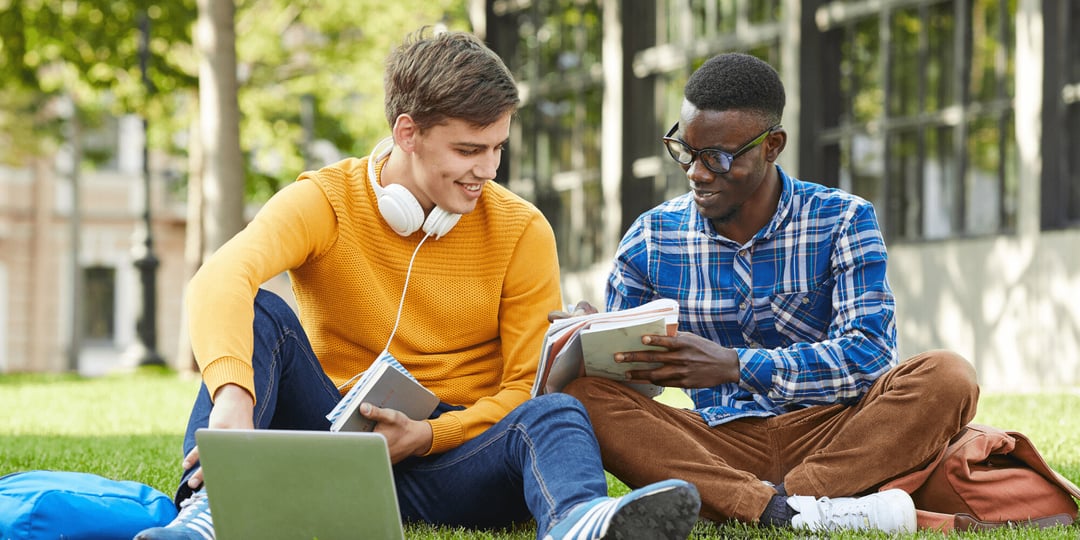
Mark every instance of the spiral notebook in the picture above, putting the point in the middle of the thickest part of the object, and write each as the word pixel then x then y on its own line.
pixel 385 384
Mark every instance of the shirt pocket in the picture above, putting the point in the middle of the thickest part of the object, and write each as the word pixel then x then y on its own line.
pixel 802 315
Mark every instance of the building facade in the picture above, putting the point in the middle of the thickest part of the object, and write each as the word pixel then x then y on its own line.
pixel 958 119
pixel 69 286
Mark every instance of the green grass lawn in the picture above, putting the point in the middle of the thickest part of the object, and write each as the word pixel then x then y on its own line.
pixel 130 427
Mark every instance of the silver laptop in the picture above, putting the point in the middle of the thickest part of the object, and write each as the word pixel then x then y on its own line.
pixel 299 484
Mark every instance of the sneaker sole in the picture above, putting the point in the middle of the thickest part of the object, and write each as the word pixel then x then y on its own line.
pixel 667 514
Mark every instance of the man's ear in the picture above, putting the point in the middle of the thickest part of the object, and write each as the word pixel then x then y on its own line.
pixel 775 143
pixel 405 131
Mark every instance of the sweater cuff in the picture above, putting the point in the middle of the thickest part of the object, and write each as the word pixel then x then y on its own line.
pixel 226 370
pixel 446 434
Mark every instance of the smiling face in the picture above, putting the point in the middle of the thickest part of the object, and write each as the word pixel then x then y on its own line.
pixel 741 197
pixel 447 164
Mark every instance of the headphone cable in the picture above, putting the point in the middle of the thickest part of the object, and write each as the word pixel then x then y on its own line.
pixel 401 305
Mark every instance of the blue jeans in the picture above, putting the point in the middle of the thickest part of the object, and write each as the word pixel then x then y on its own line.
pixel 539 461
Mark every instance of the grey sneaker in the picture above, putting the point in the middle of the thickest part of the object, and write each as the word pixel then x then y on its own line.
pixel 890 511
pixel 192 523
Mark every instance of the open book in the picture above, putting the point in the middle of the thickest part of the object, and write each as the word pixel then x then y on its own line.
pixel 586 345
pixel 385 384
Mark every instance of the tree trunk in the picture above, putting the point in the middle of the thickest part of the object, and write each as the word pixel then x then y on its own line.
pixel 193 238
pixel 216 187
pixel 223 171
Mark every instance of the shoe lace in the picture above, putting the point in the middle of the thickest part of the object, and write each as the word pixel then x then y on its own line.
pixel 845 513
pixel 192 504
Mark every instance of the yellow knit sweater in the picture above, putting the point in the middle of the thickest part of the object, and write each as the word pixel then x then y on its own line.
pixel 475 310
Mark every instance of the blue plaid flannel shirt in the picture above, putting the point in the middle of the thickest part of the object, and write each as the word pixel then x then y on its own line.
pixel 805 303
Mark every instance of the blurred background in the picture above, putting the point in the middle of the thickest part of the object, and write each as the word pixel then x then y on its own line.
pixel 137 136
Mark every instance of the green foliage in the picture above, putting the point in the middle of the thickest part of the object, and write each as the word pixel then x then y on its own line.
pixel 130 427
pixel 328 54
pixel 51 44
pixel 87 52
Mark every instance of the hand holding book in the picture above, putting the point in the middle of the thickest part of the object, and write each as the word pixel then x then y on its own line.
pixel 572 310
pixel 585 345
pixel 386 384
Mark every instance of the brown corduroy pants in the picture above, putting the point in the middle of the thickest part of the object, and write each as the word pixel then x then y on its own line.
pixel 907 416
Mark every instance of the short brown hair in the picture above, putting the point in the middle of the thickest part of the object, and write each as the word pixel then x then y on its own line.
pixel 447 75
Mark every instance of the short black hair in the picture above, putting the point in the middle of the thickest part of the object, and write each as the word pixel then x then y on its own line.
pixel 737 81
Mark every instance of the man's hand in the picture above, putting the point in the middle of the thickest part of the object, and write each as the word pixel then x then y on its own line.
pixel 581 308
pixel 690 361
pixel 405 436
pixel 233 409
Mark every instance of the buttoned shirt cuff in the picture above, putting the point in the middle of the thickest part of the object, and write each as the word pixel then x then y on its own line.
pixel 755 370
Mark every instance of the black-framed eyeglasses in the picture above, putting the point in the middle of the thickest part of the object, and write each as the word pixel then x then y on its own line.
pixel 714 159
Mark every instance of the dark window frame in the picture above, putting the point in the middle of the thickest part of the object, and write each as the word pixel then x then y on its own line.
pixel 1060 189
pixel 98 319
pixel 554 154
pixel 900 137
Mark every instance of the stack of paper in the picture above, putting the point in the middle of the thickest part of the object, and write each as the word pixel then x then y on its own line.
pixel 585 345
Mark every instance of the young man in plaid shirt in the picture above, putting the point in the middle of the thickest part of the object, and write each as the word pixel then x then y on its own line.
pixel 787 341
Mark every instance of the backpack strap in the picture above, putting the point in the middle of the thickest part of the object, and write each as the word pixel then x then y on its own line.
pixel 938 521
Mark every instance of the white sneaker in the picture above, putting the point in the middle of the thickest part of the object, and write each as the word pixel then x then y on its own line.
pixel 890 511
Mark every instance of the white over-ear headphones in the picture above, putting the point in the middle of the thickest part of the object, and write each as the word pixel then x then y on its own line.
pixel 400 208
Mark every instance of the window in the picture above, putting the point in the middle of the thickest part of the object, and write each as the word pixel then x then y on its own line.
pixel 686 22
pixel 1061 123
pixel 99 304
pixel 924 124
pixel 554 152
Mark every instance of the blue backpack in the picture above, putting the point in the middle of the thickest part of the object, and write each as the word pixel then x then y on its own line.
pixel 72 505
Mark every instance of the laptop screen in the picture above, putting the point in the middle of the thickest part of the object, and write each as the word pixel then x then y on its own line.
pixel 299 484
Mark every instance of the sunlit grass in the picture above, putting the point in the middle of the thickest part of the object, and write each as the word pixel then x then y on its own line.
pixel 130 427
pixel 123 427
pixel 151 402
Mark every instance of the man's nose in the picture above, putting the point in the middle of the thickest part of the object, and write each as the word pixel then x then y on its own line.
pixel 698 173
pixel 487 166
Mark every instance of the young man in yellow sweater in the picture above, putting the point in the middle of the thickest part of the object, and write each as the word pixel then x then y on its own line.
pixel 482 274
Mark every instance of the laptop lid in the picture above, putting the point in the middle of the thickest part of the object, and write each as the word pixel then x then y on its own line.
pixel 299 484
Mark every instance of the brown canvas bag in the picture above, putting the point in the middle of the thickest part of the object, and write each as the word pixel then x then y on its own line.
pixel 988 478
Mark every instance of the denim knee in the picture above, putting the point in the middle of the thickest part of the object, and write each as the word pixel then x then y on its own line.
pixel 272 305
pixel 553 408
